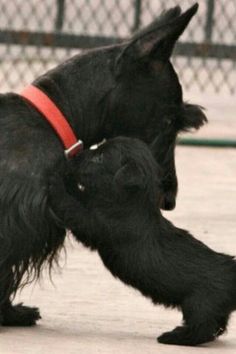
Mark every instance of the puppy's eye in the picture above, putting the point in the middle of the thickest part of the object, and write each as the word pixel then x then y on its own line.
pixel 97 159
pixel 81 187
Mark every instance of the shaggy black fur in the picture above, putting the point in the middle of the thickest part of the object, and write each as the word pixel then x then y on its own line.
pixel 129 89
pixel 116 213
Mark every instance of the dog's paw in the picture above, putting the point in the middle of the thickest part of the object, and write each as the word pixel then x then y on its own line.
pixel 20 315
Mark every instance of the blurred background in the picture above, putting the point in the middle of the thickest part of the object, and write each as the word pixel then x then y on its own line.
pixel 36 35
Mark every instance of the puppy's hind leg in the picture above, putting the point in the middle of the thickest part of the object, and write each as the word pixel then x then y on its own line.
pixel 14 315
pixel 200 326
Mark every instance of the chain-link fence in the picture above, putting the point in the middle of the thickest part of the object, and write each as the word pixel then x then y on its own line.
pixel 37 34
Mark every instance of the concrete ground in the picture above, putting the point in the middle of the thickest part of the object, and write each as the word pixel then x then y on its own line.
pixel 87 311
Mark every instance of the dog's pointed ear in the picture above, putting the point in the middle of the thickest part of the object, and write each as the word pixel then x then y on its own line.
pixel 156 41
pixel 129 177
pixel 193 117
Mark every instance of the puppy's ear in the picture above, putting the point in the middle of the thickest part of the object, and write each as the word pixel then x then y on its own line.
pixel 194 117
pixel 130 178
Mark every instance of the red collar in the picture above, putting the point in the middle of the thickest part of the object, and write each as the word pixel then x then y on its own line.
pixel 55 118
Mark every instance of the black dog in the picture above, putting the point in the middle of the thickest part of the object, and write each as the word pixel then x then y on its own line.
pixel 129 89
pixel 116 213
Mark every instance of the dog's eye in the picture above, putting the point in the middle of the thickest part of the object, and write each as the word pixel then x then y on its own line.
pixel 168 122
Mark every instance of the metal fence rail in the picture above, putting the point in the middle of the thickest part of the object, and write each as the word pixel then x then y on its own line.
pixel 37 34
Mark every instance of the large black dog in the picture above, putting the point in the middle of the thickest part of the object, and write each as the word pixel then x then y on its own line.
pixel 117 213
pixel 128 89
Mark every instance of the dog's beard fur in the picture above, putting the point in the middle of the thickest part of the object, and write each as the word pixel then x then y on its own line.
pixel 117 213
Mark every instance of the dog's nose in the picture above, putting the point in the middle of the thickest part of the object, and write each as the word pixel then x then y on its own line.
pixel 168 202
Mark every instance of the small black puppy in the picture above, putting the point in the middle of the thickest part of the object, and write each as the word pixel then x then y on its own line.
pixel 117 213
